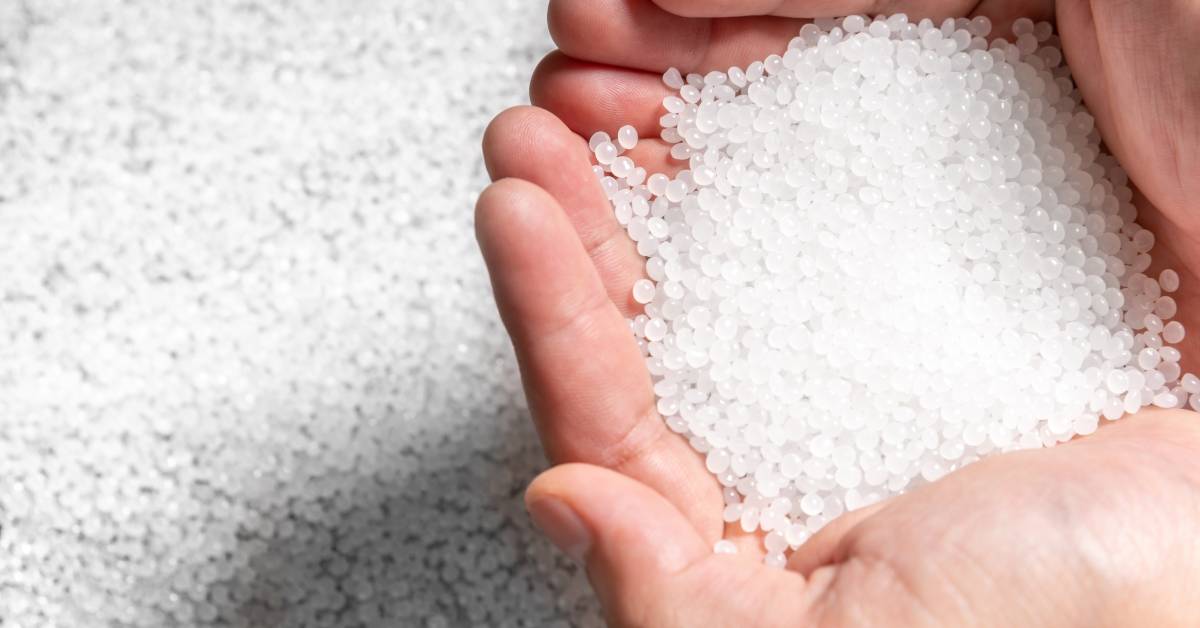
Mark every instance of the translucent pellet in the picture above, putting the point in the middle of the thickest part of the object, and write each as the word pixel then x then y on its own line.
pixel 598 138
pixel 724 546
pixel 1117 381
pixel 1165 400
pixel 605 152
pixel 655 330
pixel 627 137
pixel 643 291
pixel 1169 280
pixel 1148 358
pixel 673 78
pixel 848 301
pixel 622 167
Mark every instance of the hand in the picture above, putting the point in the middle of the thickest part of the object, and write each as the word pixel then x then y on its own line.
pixel 1097 532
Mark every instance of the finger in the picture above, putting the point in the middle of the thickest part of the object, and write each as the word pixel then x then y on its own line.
pixel 1003 13
pixel 816 8
pixel 702 35
pixel 531 144
pixel 648 565
pixel 584 377
pixel 639 34
pixel 1145 100
pixel 824 547
pixel 632 540
pixel 588 97
pixel 591 97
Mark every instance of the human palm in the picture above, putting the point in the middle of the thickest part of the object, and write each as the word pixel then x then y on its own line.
pixel 1099 531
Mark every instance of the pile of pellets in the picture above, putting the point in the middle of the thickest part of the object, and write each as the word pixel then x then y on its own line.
pixel 250 370
pixel 893 249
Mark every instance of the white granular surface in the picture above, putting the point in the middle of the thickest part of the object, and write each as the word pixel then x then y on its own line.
pixel 896 248
pixel 250 371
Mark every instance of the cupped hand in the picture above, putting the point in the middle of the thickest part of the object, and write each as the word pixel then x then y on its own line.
pixel 1096 532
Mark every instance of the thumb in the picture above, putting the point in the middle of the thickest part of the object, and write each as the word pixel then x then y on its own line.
pixel 649 564
pixel 631 539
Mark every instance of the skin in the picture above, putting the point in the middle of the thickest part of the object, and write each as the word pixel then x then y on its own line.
pixel 1098 532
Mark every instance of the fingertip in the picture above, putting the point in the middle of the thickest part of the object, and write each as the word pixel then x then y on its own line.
pixel 588 96
pixel 508 204
pixel 827 545
pixel 492 138
pixel 628 33
pixel 560 15
pixel 533 144
pixel 528 142
pixel 494 197
pixel 635 527
pixel 553 514
pixel 548 65
pixel 742 8
pixel 648 562
pixel 689 8
pixel 558 482
pixel 545 86
pixel 516 131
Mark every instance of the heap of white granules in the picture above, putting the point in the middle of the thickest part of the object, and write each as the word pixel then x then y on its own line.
pixel 895 249
pixel 251 375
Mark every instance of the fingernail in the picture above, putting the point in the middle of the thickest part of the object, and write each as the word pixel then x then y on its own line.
pixel 564 528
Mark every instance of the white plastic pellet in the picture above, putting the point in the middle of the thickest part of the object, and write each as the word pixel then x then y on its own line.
pixel 724 547
pixel 643 291
pixel 597 138
pixel 627 137
pixel 1169 280
pixel 778 560
pixel 673 79
pixel 605 152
